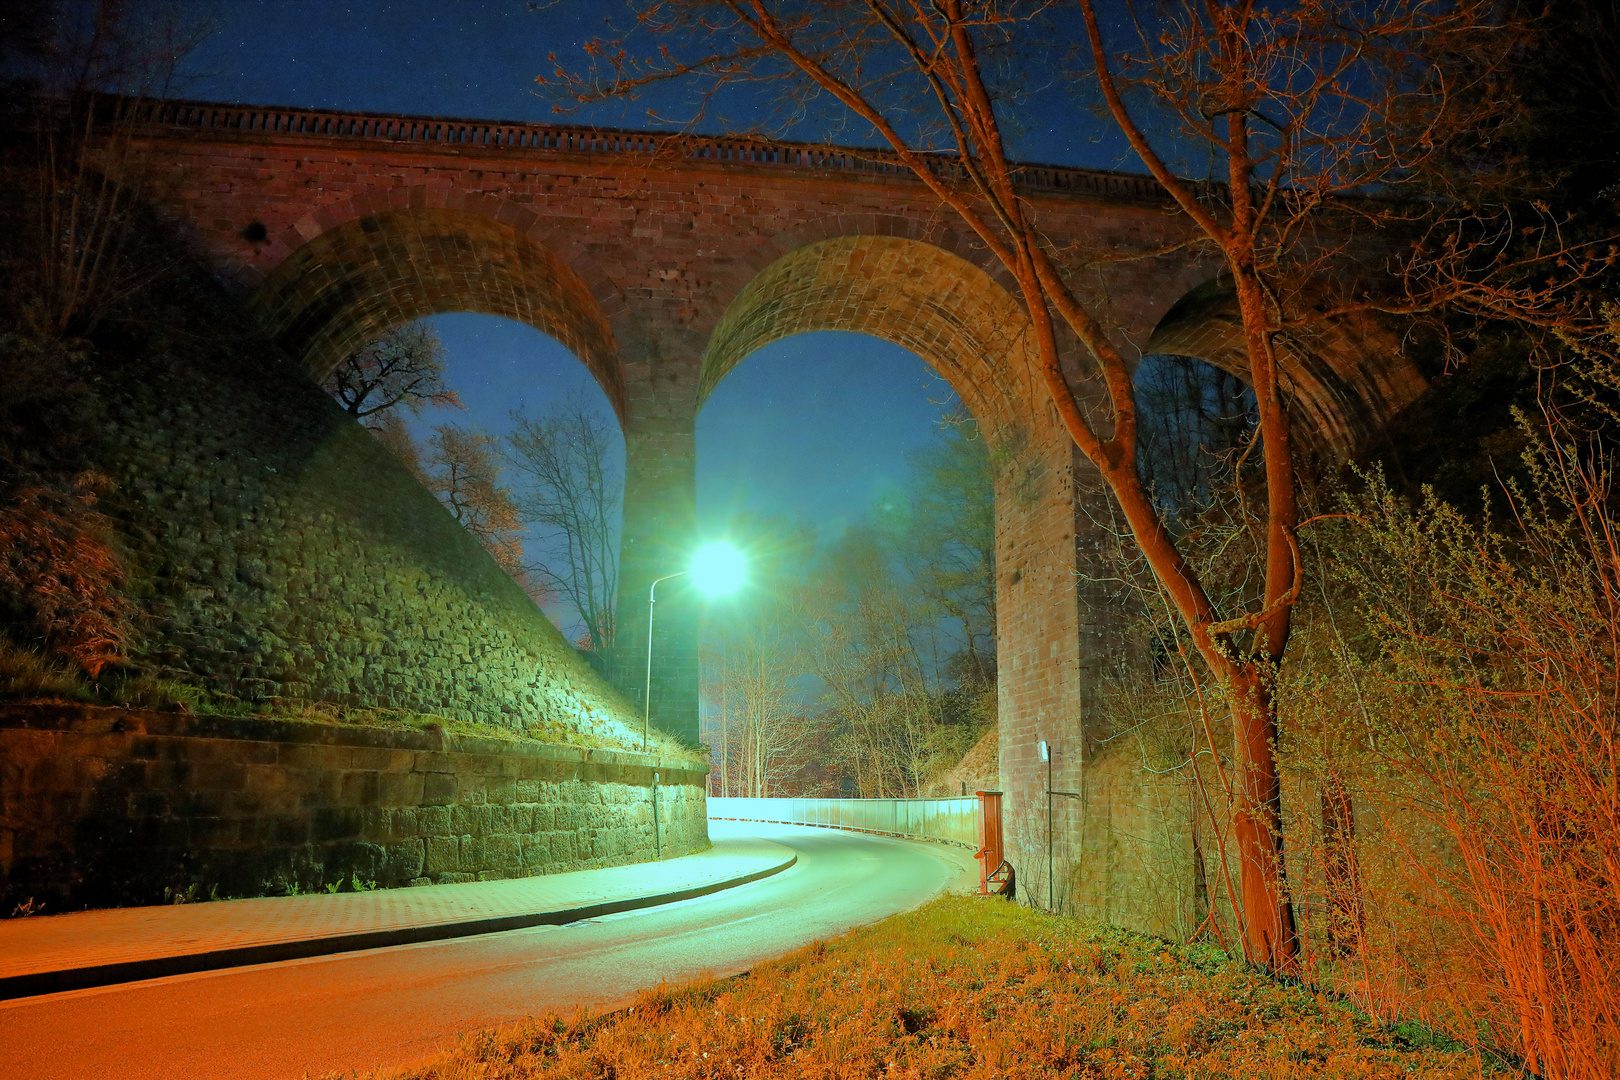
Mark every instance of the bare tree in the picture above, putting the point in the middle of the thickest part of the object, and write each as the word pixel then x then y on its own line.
pixel 1296 110
pixel 946 539
pixel 876 652
pixel 91 70
pixel 463 470
pixel 754 663
pixel 760 723
pixel 403 367
pixel 571 498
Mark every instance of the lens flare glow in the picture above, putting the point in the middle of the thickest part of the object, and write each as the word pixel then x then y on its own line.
pixel 718 568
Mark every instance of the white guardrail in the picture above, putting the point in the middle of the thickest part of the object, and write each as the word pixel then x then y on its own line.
pixel 953 821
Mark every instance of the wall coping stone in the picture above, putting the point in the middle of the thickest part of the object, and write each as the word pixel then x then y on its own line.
pixel 82 719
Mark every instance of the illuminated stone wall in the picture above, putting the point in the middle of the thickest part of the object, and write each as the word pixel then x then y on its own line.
pixel 110 807
pixel 278 551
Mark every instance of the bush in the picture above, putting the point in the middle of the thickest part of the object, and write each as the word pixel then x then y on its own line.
pixel 1492 656
pixel 60 576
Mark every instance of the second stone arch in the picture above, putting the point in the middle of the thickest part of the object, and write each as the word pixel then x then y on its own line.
pixel 974 334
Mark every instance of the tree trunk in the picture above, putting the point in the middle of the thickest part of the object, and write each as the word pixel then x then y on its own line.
pixel 1270 937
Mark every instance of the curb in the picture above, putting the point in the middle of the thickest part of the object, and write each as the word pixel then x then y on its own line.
pixel 34 984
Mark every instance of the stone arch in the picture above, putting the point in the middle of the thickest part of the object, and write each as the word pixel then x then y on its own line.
pixel 749 261
pixel 909 292
pixel 1346 378
pixel 1052 635
pixel 359 274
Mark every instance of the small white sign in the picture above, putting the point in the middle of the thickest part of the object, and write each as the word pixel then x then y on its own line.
pixel 1046 752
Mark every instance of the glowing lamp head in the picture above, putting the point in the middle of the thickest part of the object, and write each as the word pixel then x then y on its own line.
pixel 717 568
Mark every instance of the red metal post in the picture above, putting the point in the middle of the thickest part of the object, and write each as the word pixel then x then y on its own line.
pixel 993 866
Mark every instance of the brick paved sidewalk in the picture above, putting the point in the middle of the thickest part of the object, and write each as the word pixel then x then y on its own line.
pixel 45 954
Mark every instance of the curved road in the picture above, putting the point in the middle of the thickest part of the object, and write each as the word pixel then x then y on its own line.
pixel 390 1007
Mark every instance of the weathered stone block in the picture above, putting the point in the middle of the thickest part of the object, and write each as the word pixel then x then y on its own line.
pixel 404 862
pixel 399 788
pixel 438 788
pixel 336 823
pixel 360 789
pixel 249 752
pixel 469 820
pixel 215 832
pixel 376 826
pixel 442 855
pixel 503 852
pixel 284 829
pixel 434 820
pixel 434 762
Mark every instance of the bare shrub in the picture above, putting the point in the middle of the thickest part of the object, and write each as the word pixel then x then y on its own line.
pixel 59 574
pixel 1497 658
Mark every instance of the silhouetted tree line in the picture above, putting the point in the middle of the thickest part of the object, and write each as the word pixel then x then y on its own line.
pixel 861 665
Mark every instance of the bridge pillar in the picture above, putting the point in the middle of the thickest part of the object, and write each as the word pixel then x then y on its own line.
pixel 1060 633
pixel 657 538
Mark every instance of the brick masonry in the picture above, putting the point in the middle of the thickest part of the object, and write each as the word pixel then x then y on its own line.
pixel 662 271
pixel 107 807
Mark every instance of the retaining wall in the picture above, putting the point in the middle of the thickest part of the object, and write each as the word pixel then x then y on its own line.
pixel 275 550
pixel 103 807
pixel 955 821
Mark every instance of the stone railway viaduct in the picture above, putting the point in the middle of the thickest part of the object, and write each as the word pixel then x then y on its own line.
pixel 663 264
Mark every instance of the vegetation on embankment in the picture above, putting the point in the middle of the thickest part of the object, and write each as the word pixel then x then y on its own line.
pixel 969 987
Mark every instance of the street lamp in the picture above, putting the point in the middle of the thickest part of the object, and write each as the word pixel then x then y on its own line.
pixel 717 568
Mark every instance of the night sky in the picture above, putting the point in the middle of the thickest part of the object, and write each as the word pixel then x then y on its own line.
pixel 814 426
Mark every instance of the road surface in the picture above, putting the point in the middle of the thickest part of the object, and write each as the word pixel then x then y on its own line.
pixel 391 1007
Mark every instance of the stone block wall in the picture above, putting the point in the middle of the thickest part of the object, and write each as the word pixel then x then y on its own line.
pixel 103 807
pixel 1126 853
pixel 278 551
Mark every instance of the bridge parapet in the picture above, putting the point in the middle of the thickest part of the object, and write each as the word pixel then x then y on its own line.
pixel 454 135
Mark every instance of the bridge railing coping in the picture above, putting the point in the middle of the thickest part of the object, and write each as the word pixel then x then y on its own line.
pixel 440 131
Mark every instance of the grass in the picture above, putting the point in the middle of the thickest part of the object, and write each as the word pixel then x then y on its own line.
pixel 28 675
pixel 973 988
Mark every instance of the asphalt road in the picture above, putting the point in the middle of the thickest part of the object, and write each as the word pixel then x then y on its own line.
pixel 391 1007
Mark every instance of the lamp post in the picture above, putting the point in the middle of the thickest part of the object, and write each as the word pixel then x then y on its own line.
pixel 716 569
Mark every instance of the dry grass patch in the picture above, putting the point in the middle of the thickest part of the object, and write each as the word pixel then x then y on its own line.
pixel 966 987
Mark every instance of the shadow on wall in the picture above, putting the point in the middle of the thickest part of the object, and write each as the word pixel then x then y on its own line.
pixel 108 807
